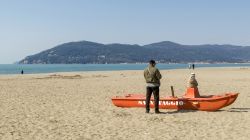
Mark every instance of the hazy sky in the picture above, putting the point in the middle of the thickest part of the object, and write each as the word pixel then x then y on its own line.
pixel 30 26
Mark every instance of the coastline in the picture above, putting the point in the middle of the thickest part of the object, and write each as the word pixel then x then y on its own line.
pixel 54 68
pixel 110 71
pixel 77 105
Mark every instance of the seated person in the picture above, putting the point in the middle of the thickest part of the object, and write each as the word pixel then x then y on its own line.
pixel 192 83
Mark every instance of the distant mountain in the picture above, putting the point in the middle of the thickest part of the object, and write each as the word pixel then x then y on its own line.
pixel 85 52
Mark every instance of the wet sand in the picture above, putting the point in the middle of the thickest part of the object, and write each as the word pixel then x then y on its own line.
pixel 78 106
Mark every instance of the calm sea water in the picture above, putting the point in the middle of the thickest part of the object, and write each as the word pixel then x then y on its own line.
pixel 49 68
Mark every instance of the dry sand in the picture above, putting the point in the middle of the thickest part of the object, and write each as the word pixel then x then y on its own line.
pixel 78 106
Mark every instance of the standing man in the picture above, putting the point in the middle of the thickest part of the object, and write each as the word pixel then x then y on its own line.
pixel 193 66
pixel 152 76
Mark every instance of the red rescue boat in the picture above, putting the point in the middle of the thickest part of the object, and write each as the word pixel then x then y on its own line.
pixel 190 101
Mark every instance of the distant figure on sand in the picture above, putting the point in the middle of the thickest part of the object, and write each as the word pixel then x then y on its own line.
pixel 22 72
pixel 193 66
pixel 152 76
pixel 192 83
pixel 189 66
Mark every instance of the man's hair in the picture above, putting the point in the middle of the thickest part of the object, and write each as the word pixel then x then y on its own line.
pixel 151 62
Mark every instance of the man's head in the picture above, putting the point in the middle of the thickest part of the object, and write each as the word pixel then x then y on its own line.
pixel 152 63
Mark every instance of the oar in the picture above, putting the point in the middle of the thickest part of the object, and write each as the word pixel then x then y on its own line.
pixel 172 90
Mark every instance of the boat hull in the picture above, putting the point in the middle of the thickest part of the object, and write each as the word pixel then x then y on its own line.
pixel 211 103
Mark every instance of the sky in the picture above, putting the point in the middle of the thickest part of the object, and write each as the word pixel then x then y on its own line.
pixel 28 27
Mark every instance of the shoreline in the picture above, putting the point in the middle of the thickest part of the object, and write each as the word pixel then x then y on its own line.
pixel 107 71
pixel 40 69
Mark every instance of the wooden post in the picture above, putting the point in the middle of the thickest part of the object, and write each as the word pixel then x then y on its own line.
pixel 172 90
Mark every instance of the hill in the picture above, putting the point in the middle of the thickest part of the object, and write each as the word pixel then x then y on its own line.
pixel 84 52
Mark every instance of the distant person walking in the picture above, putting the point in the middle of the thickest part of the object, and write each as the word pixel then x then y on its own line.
pixel 193 66
pixel 189 66
pixel 22 72
pixel 152 76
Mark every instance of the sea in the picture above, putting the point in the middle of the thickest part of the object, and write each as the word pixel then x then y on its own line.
pixel 52 68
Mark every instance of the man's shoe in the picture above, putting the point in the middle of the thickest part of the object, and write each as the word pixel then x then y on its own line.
pixel 147 111
pixel 157 112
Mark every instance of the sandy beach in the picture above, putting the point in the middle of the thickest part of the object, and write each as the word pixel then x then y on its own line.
pixel 78 106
